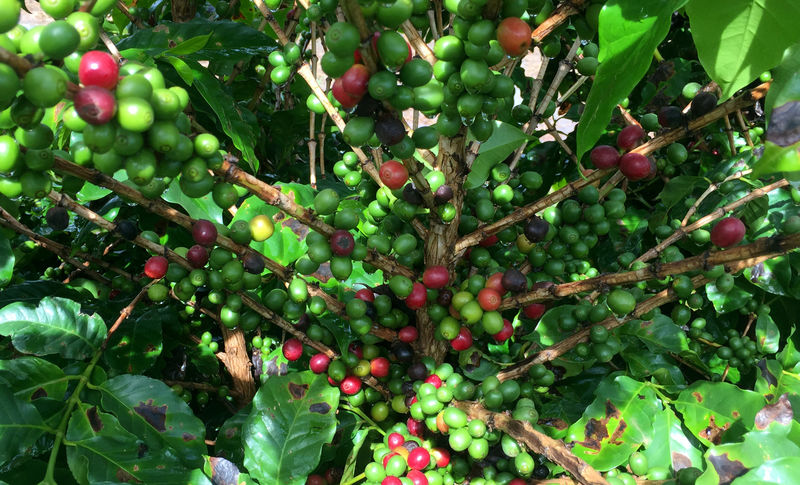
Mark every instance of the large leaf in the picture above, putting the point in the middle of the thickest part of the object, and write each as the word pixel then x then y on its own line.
pixel 20 425
pixel 678 188
pixel 236 122
pixel 785 85
pixel 102 451
pixel 151 411
pixel 33 291
pixel 357 439
pixel 135 347
pixel 617 422
pixel 731 460
pixel 197 207
pixel 737 40
pixel 670 447
pixel 630 31
pixel 55 326
pixel 773 472
pixel 504 140
pixel 709 409
pixel 287 243
pixel 767 334
pixel 660 333
pixel 777 159
pixel 31 378
pixel 229 444
pixel 6 261
pixel 293 416
pixel 200 39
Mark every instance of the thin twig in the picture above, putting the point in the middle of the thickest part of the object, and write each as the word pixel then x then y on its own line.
pixel 711 188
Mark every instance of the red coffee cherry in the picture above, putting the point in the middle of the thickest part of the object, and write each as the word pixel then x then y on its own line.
pixel 728 232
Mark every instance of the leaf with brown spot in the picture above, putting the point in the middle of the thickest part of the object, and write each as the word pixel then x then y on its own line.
pixel 103 451
pixel 712 432
pixel 94 419
pixel 727 470
pixel 670 447
pixel 710 408
pixel 784 124
pixel 781 412
pixel 615 424
pixel 766 374
pixel 156 416
pixel 31 378
pixel 285 432
pixel 298 391
pixel 222 471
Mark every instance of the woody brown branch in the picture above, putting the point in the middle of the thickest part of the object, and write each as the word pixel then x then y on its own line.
pixel 562 12
pixel 708 218
pixel 766 247
pixel 663 297
pixel 522 431
pixel 568 190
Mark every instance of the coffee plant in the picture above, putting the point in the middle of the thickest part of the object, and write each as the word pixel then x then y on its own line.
pixel 400 242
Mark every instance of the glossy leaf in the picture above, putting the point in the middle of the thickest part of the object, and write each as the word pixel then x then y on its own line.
pixel 737 40
pixel 226 40
pixel 55 326
pixel 20 425
pixel 150 410
pixel 547 332
pixel 773 472
pixel 711 408
pixel 34 291
pixel 678 188
pixel 136 345
pixel 767 334
pixel 31 378
pixel 6 261
pixel 504 140
pixel 732 460
pixel 785 85
pixel 660 333
pixel 197 207
pixel 630 31
pixel 726 302
pixel 670 448
pixel 229 440
pixel 356 440
pixel 777 159
pixel 234 120
pixel 103 451
pixel 293 416
pixel 618 421
pixel 287 243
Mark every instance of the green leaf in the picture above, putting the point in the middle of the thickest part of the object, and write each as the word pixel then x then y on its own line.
pixel 727 302
pixel 777 159
pixel 101 450
pixel 785 85
pixel 547 331
pixel 293 416
pixel 55 326
pixel 243 132
pixel 197 207
pixel 630 31
pixel 660 333
pixel 7 260
pixel 773 472
pixel 227 41
pixel 669 447
pixel 90 192
pixel 20 425
pixel 287 243
pixel 789 356
pixel 731 460
pixel 357 439
pixel 678 188
pixel 183 69
pixel 151 411
pixel 229 442
pixel 504 140
pixel 737 40
pixel 767 334
pixel 31 378
pixel 190 46
pixel 710 408
pixel 617 422
pixel 34 291
pixel 135 346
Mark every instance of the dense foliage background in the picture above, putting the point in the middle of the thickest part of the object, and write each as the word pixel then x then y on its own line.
pixel 502 304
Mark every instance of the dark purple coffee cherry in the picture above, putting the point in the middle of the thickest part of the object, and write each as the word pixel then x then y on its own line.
pixel 536 229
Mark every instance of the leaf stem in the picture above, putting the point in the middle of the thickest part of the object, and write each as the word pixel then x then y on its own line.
pixel 355 479
pixel 363 416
